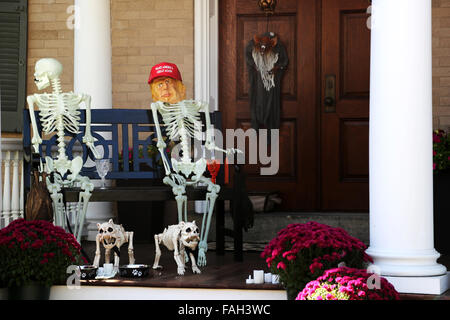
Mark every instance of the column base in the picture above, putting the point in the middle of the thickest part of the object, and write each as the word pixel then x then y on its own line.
pixel 420 263
pixel 436 285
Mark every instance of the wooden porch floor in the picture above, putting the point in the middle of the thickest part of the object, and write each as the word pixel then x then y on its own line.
pixel 222 272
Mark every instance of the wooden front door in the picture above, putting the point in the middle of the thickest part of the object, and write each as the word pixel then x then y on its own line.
pixel 306 148
pixel 345 117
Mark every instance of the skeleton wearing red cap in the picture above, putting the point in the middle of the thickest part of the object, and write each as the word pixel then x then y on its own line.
pixel 182 119
pixel 166 83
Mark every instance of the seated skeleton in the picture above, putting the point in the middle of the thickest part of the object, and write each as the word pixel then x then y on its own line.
pixel 182 120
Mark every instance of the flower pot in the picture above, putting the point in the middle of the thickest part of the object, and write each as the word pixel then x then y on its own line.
pixel 441 186
pixel 292 293
pixel 29 292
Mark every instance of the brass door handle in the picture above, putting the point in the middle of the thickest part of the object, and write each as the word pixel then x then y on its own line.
pixel 328 102
pixel 330 93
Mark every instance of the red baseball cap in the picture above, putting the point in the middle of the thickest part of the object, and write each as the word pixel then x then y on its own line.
pixel 164 69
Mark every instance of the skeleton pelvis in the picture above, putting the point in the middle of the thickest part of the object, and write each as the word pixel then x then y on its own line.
pixel 62 165
pixel 188 168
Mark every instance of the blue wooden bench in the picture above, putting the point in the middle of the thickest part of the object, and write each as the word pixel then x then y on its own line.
pixel 128 133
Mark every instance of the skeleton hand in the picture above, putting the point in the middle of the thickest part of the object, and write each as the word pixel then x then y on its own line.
pixel 179 179
pixel 202 248
pixel 233 151
pixel 89 141
pixel 36 141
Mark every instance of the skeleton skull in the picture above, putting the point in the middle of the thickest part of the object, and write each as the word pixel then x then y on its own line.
pixel 109 234
pixel 46 70
pixel 190 235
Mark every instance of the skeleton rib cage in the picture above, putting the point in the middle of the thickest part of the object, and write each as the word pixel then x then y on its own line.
pixel 51 106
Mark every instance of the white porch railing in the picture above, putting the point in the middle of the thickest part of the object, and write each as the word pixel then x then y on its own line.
pixel 11 186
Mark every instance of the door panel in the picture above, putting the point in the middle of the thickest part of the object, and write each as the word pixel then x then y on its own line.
pixel 295 23
pixel 345 132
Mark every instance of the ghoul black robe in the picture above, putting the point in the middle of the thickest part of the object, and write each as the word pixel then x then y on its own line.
pixel 265 93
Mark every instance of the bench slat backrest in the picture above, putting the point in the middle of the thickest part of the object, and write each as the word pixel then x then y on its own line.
pixel 120 134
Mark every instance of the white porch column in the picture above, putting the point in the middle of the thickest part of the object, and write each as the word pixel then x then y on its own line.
pixel 401 174
pixel 206 78
pixel 92 75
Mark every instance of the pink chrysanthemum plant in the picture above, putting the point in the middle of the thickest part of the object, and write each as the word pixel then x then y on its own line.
pixel 302 252
pixel 348 284
pixel 36 252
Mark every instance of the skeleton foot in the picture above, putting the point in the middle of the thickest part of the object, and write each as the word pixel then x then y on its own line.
pixel 202 248
pixel 181 270
pixel 157 267
pixel 195 269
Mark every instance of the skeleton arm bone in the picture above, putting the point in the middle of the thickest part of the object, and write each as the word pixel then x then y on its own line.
pixel 88 138
pixel 210 145
pixel 161 145
pixel 36 141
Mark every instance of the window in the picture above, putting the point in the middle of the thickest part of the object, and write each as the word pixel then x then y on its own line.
pixel 13 66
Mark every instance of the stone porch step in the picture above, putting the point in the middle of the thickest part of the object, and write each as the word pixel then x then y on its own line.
pixel 267 225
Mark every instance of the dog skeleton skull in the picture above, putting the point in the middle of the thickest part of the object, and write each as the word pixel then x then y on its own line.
pixel 180 238
pixel 59 111
pixel 112 237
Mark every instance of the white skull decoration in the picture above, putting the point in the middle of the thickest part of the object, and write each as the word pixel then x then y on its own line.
pixel 46 70
pixel 109 234
pixel 190 235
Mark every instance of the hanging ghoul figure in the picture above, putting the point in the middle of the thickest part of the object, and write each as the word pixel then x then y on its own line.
pixel 266 60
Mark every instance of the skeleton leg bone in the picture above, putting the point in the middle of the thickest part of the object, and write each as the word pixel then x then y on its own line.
pixel 195 268
pixel 180 195
pixel 97 250
pixel 178 259
pixel 129 236
pixel 83 203
pixel 211 196
pixel 158 238
pixel 58 207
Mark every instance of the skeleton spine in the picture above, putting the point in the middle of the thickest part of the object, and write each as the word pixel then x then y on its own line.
pixel 184 144
pixel 56 86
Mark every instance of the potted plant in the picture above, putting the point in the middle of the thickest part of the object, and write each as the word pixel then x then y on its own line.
pixel 301 252
pixel 348 284
pixel 34 256
pixel 441 188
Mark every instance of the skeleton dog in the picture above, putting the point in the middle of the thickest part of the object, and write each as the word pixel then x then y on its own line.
pixel 179 238
pixel 113 236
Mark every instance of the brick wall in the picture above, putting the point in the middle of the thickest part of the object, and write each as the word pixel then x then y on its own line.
pixel 143 33
pixel 441 64
pixel 49 36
